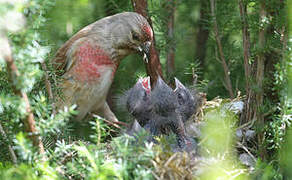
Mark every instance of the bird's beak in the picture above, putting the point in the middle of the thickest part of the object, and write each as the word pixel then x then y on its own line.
pixel 159 81
pixel 144 49
pixel 178 84
pixel 146 83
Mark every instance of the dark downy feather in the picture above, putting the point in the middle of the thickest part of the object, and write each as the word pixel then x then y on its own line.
pixel 186 101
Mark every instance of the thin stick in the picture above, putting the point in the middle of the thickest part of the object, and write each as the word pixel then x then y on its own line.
pixel 11 151
pixel 112 123
pixel 246 150
pixel 222 58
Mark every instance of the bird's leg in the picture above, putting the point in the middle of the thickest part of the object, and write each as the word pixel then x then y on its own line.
pixel 108 114
pixel 105 112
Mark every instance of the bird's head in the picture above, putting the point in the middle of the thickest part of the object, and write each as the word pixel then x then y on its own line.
pixel 130 33
pixel 183 94
pixel 185 99
pixel 163 98
pixel 138 98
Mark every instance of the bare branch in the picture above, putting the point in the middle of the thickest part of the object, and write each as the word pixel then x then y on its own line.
pixel 246 116
pixel 112 123
pixel 29 121
pixel 222 58
pixel 246 41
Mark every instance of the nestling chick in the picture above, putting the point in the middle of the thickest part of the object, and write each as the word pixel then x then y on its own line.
pixel 186 101
pixel 138 101
pixel 165 114
pixel 159 111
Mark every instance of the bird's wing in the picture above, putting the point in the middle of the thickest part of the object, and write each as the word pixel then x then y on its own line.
pixel 62 62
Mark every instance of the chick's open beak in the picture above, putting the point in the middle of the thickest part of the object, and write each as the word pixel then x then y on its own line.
pixel 178 84
pixel 144 49
pixel 146 83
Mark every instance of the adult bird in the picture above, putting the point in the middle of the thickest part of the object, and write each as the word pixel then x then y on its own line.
pixel 87 62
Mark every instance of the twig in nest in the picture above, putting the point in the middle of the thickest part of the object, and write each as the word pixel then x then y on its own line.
pixel 170 159
pixel 155 175
pixel 244 125
pixel 248 152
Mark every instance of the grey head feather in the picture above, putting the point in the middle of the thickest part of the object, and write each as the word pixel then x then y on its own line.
pixel 186 101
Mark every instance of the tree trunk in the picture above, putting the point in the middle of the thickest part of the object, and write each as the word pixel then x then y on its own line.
pixel 276 54
pixel 258 115
pixel 246 116
pixel 153 67
pixel 202 34
pixel 170 68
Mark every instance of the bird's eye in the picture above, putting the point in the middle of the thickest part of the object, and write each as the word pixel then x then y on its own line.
pixel 135 36
pixel 180 99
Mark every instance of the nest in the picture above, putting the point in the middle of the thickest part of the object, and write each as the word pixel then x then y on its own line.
pixel 236 161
